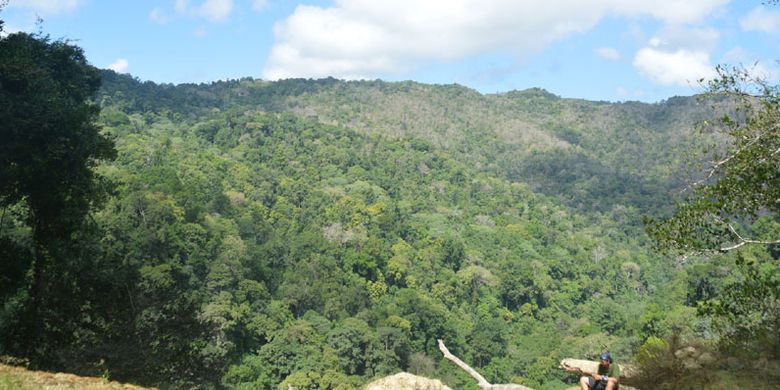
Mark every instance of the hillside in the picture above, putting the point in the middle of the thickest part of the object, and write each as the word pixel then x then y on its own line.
pixel 626 151
pixel 322 234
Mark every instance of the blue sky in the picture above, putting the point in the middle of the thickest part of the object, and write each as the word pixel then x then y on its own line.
pixel 613 50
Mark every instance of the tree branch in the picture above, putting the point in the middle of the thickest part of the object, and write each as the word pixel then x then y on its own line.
pixel 742 241
pixel 716 166
pixel 481 381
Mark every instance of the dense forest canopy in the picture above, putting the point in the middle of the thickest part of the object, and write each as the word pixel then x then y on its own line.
pixel 321 233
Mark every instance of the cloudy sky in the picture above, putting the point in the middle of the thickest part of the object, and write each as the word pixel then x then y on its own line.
pixel 612 50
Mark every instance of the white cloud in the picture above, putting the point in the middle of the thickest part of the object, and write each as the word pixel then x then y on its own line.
pixel 215 10
pixel 678 55
pixel 158 16
pixel 678 37
pixel 761 19
pixel 368 38
pixel 119 66
pixel 49 7
pixel 608 53
pixel 679 67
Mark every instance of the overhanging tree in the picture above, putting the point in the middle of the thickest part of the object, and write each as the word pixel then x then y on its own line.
pixel 741 182
pixel 736 206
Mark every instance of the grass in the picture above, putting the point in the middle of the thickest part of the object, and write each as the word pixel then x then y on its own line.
pixel 18 378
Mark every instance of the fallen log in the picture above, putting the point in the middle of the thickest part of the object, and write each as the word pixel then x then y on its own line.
pixel 588 367
pixel 584 367
pixel 481 381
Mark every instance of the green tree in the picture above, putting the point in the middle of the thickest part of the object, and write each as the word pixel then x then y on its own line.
pixel 50 141
pixel 49 146
pixel 735 206
pixel 742 180
pixel 356 346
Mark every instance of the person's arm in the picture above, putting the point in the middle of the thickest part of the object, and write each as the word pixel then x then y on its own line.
pixel 613 375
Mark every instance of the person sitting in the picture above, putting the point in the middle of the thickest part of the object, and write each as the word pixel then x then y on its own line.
pixel 606 378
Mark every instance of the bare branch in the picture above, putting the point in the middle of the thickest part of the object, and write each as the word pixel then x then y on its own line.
pixel 741 241
pixel 481 381
pixel 731 248
pixel 716 166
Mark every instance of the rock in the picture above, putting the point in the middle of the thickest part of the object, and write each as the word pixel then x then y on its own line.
pixel 406 381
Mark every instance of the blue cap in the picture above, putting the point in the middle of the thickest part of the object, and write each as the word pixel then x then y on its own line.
pixel 606 356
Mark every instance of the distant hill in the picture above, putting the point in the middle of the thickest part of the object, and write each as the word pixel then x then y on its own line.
pixel 608 153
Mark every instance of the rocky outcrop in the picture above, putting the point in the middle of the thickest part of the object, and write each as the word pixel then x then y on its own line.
pixel 20 377
pixel 406 381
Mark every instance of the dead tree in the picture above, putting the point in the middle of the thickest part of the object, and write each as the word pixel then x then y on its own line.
pixel 481 381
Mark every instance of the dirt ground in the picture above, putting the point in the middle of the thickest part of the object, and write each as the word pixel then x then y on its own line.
pixel 19 378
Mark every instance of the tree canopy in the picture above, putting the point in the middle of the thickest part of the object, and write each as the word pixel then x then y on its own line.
pixel 50 145
pixel 50 140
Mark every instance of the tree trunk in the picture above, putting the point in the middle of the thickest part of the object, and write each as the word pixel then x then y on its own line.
pixel 481 381
pixel 588 367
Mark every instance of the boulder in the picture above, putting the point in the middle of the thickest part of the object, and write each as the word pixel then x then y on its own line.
pixel 406 381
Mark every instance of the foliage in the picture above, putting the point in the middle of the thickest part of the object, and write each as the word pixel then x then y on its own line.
pixel 747 310
pixel 734 205
pixel 675 363
pixel 50 140
pixel 51 145
pixel 734 208
pixel 320 233
pixel 741 182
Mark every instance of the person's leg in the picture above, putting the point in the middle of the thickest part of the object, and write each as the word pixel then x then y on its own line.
pixel 585 382
pixel 612 384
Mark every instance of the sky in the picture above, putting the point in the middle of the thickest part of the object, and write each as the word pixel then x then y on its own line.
pixel 611 50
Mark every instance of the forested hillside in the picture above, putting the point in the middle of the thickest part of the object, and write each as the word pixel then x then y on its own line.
pixel 322 233
pixel 621 153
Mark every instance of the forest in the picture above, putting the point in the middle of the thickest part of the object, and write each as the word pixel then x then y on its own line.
pixel 247 234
